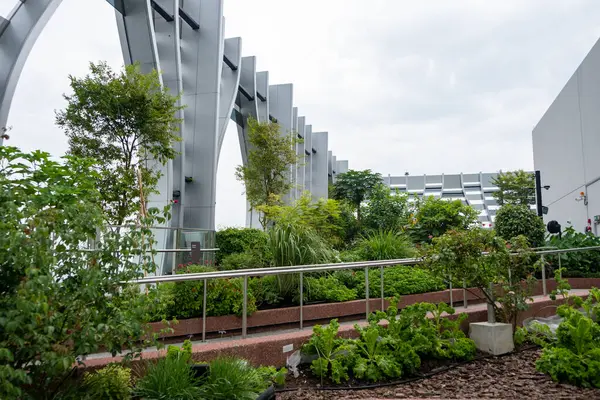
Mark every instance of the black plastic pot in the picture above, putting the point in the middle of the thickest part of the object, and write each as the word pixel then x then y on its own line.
pixel 200 370
pixel 268 394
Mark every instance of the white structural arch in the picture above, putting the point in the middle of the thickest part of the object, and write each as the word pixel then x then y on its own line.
pixel 185 41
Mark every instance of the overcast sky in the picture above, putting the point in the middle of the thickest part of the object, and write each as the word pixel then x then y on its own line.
pixel 424 86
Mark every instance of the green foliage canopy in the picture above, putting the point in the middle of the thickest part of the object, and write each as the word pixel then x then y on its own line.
pixel 434 217
pixel 270 157
pixel 57 302
pixel 355 187
pixel 385 210
pixel 127 122
pixel 515 187
pixel 513 220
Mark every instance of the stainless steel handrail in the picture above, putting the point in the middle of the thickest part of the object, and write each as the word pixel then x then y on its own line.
pixel 301 269
pixel 153 250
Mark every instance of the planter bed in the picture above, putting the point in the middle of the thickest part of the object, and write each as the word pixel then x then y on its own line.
pixel 277 318
pixel 512 376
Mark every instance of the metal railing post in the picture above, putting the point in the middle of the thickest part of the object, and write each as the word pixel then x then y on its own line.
pixel 204 311
pixel 367 293
pixel 544 290
pixel 301 300
pixel 382 291
pixel 560 266
pixel 490 307
pixel 245 309
pixel 451 290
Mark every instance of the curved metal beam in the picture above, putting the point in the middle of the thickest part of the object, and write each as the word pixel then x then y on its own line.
pixel 17 37
pixel 230 82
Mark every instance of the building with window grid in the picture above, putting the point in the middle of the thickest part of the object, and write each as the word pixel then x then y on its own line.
pixel 472 189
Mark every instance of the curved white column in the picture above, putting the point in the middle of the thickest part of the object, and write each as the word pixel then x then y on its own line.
pixel 138 43
pixel 202 62
pixel 18 34
pixel 230 81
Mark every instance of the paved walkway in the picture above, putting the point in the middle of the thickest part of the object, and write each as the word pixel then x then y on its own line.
pixel 308 329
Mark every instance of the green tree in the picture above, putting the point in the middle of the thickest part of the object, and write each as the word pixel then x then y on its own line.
pixel 355 187
pixel 515 187
pixel 57 302
pixel 385 210
pixel 434 217
pixel 513 220
pixel 323 216
pixel 127 122
pixel 266 175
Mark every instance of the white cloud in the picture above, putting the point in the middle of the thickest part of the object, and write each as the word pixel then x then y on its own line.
pixel 431 86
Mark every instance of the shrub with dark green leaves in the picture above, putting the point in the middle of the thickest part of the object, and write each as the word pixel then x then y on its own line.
pixel 578 264
pixel 514 220
pixel 112 382
pixel 224 296
pixel 246 260
pixel 239 240
pixel 435 216
pixel 328 288
pixel 265 290
pixel 398 281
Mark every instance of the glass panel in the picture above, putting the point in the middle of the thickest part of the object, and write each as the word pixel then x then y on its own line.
pixel 207 241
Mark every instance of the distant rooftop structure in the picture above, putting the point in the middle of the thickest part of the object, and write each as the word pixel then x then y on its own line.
pixel 473 189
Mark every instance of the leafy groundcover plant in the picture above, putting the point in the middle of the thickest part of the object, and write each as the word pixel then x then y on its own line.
pixel 574 354
pixel 384 352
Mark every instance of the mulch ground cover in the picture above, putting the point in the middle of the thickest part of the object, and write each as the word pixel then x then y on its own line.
pixel 508 377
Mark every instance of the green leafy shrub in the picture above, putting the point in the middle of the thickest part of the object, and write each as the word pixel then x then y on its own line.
pixel 385 245
pixel 168 378
pixel 328 288
pixel 385 210
pixel 184 352
pixel 272 375
pixel 159 301
pixel 434 217
pixel 390 350
pixel 233 379
pixel 58 303
pixel 332 352
pixel 397 281
pixel 111 383
pixel 350 256
pixel 224 296
pixel 265 290
pixel 296 244
pixel 246 260
pixel 514 220
pixel 578 264
pixel 574 357
pixel 240 240
pixel 373 358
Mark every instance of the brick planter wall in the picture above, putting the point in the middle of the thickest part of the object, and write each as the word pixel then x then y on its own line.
pixel 268 350
pixel 317 312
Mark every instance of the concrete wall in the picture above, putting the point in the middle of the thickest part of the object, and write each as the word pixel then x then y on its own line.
pixel 565 142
